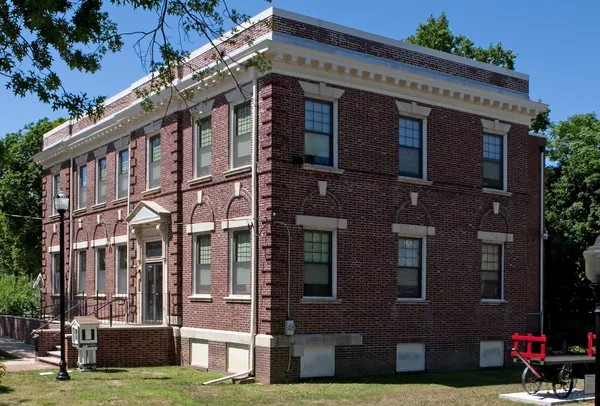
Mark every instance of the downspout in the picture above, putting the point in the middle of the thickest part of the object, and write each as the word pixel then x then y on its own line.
pixel 542 237
pixel 255 234
pixel 70 285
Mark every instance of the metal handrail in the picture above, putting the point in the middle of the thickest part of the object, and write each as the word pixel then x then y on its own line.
pixel 53 319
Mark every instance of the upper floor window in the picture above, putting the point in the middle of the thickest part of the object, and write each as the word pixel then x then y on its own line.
pixel 82 186
pixel 410 268
pixel 318 132
pixel 318 264
pixel 202 265
pixel 122 173
pixel 493 161
pixel 101 181
pixel 55 190
pixel 81 269
pixel 203 147
pixel 411 147
pixel 55 274
pixel 154 161
pixel 491 271
pixel 242 135
pixel 240 258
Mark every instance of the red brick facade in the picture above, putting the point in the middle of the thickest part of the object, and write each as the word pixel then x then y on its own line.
pixel 364 321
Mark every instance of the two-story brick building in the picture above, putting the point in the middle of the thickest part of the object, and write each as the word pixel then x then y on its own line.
pixel 379 200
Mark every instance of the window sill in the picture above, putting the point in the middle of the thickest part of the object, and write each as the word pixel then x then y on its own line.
pixel 200 298
pixel 202 179
pixel 237 299
pixel 151 191
pixel 493 301
pixel 99 206
pixel 120 295
pixel 81 295
pixel 412 301
pixel 414 181
pixel 496 192
pixel 99 296
pixel 320 300
pixel 80 210
pixel 235 171
pixel 322 168
pixel 119 200
pixel 54 216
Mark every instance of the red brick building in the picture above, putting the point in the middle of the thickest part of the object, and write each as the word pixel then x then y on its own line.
pixel 382 197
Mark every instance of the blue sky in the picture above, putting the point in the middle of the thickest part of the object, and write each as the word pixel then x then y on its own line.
pixel 556 43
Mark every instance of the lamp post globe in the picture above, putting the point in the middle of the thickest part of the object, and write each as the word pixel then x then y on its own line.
pixel 61 204
pixel 591 257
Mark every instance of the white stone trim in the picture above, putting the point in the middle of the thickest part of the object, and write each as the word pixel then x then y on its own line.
pixel 120 239
pixel 489 236
pixel 236 223
pixel 54 248
pixel 411 230
pixel 321 90
pixel 321 223
pixel 121 143
pixel 153 127
pixel 237 96
pixel 203 227
pixel 202 109
pixel 413 109
pixel 80 245
pixel 99 243
pixel 100 152
pixel 495 126
pixel 81 160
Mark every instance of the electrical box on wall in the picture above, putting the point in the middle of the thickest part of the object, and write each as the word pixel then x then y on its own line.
pixel 289 327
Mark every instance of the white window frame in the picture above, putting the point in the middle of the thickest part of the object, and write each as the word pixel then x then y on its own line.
pixel 235 98
pixel 331 224
pixel 98 159
pixel 148 157
pixel 82 190
pixel 321 91
pixel 118 174
pixel 231 256
pixel 117 269
pixel 501 280
pixel 416 112
pixel 489 237
pixel 414 232
pixel 197 135
pixel 200 112
pixel 495 127
pixel 233 132
pixel 80 253
pixel 195 268
pixel 97 268
pixel 55 258
pixel 55 189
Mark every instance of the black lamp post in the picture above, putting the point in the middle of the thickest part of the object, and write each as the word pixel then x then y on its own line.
pixel 61 204
pixel 592 272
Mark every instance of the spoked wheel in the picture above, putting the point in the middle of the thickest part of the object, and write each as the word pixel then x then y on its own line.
pixel 531 383
pixel 564 382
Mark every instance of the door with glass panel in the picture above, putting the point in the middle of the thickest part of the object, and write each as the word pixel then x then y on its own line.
pixel 153 283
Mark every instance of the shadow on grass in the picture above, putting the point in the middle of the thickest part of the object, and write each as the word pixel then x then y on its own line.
pixel 111 370
pixel 462 379
pixel 5 389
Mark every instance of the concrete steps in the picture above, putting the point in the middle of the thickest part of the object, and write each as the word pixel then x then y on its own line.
pixel 53 357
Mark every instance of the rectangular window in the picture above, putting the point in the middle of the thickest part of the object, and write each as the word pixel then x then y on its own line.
pixel 493 161
pixel 121 269
pixel 203 147
pixel 410 274
pixel 122 173
pixel 411 147
pixel 55 274
pixel 240 260
pixel 154 162
pixel 318 280
pixel 318 132
pixel 101 181
pixel 491 271
pixel 202 266
pixel 101 270
pixel 241 143
pixel 82 187
pixel 154 249
pixel 55 190
pixel 81 267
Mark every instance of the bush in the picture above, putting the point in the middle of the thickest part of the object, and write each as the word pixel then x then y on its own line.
pixel 2 371
pixel 18 297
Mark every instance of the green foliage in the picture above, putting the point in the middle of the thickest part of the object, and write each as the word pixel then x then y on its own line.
pixel 2 371
pixel 541 122
pixel 572 216
pixel 20 200
pixel 18 297
pixel 436 34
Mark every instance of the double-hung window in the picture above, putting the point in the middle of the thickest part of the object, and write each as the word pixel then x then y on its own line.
pixel 318 263
pixel 410 268
pixel 81 275
pixel 101 180
pixel 491 271
pixel 82 186
pixel 101 270
pixel 154 162
pixel 55 274
pixel 203 147
pixel 411 147
pixel 240 259
pixel 121 267
pixel 55 190
pixel 202 262
pixel 242 135
pixel 493 161
pixel 318 132
pixel 122 173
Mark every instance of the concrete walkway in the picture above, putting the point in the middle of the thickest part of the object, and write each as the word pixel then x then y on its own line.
pixel 26 360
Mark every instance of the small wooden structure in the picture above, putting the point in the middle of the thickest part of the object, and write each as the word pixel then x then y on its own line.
pixel 84 330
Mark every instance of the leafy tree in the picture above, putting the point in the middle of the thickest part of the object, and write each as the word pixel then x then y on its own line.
pixel 37 35
pixel 20 200
pixel 436 34
pixel 572 219
pixel 18 297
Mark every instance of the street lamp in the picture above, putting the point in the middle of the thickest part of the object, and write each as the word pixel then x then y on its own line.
pixel 61 204
pixel 591 257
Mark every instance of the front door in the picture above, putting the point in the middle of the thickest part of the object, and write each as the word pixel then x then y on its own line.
pixel 153 307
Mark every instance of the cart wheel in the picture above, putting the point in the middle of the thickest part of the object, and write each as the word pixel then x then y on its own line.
pixel 564 383
pixel 531 383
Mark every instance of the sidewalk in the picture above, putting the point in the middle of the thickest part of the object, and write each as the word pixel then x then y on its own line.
pixel 26 360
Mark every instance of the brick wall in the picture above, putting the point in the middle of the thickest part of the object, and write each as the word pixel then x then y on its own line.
pixel 19 328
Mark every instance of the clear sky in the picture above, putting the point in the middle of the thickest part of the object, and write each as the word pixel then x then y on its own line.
pixel 556 42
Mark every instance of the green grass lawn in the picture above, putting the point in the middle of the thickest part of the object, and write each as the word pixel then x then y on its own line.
pixel 182 386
